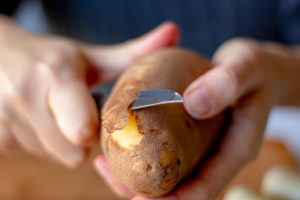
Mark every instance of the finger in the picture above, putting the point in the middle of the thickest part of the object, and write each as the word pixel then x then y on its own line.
pixel 48 133
pixel 8 143
pixel 112 60
pixel 221 87
pixel 103 170
pixel 240 145
pixel 162 198
pixel 75 111
pixel 25 135
pixel 53 141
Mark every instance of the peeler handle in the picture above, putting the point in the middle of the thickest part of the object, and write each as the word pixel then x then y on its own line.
pixel 99 97
pixel 100 94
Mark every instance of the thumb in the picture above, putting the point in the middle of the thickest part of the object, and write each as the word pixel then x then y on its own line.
pixel 219 88
pixel 111 60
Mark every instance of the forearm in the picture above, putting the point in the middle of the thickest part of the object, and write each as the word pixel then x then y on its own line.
pixel 287 62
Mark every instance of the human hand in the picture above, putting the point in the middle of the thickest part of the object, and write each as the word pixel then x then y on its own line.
pixel 244 78
pixel 45 105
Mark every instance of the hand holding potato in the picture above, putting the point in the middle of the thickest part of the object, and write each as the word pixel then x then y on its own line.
pixel 249 77
pixel 45 105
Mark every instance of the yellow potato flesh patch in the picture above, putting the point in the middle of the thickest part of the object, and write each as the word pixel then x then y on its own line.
pixel 129 136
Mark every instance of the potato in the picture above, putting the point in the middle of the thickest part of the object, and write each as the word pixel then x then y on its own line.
pixel 150 150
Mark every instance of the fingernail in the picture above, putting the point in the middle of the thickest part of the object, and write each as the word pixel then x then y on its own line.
pixel 197 103
pixel 103 170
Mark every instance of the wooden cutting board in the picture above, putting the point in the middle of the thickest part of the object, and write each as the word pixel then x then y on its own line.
pixel 26 178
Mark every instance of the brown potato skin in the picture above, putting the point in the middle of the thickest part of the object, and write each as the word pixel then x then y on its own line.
pixel 173 142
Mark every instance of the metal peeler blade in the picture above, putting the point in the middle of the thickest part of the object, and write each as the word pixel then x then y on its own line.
pixel 149 98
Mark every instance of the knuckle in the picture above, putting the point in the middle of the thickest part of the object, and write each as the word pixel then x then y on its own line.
pixel 253 58
pixel 241 42
pixel 58 67
pixel 54 60
pixel 252 54
pixel 59 56
pixel 62 45
pixel 233 82
pixel 13 87
pixel 15 95
pixel 17 92
pixel 49 70
pixel 245 46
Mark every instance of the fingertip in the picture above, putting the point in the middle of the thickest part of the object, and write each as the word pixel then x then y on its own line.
pixel 99 162
pixel 109 68
pixel 87 133
pixel 75 112
pixel 100 159
pixel 166 34
pixel 102 168
pixel 197 103
pixel 86 127
pixel 173 30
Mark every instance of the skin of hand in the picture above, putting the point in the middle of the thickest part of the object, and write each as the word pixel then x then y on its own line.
pixel 250 77
pixel 45 105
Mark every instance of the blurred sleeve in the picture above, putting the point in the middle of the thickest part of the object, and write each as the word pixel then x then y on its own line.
pixel 289 21
pixel 8 7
